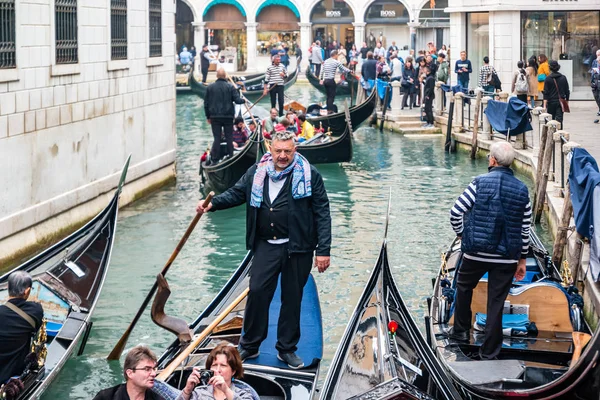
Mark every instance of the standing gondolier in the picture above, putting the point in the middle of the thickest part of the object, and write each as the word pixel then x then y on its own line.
pixel 275 82
pixel 327 78
pixel 287 220
pixel 205 60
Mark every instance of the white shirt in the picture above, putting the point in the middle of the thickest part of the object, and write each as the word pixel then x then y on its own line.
pixel 274 189
pixel 396 68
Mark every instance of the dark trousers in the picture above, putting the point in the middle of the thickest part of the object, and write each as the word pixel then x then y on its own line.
pixel 219 127
pixel 556 111
pixel 522 97
pixel 277 97
pixel 428 105
pixel 408 93
pixel 499 281
pixel 317 70
pixel 330 89
pixel 270 261
pixel 204 75
pixel 596 93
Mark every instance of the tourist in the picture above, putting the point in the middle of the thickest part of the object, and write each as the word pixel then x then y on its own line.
pixel 383 70
pixel 419 78
pixel 270 122
pixel 283 231
pixel 443 70
pixel 431 49
pixel 225 363
pixel 307 130
pixel 275 83
pixel 492 218
pixel 185 57
pixel 556 87
pixel 595 80
pixel 379 51
pixel 284 56
pixel 294 124
pixel 282 125
pixel 396 66
pixel 444 51
pixel 363 51
pixel 240 133
pixel 391 50
pixel 409 76
pixel 21 319
pixel 317 57
pixel 542 72
pixel 327 78
pixel 341 56
pixel 485 76
pixel 219 110
pixel 354 56
pixel 463 70
pixel 139 371
pixel 532 84
pixel 431 63
pixel 428 96
pixel 193 52
pixel 520 82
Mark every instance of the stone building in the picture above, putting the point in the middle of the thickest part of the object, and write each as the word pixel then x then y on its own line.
pixel 83 83
pixel 250 28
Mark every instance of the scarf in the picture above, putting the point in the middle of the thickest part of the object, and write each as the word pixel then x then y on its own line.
pixel 299 168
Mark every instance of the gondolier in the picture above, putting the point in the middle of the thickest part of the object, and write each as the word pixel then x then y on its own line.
pixel 275 81
pixel 287 220
pixel 205 60
pixel 327 77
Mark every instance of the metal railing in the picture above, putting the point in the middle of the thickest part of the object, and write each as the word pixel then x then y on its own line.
pixel 8 56
pixel 118 29
pixel 66 31
pixel 155 28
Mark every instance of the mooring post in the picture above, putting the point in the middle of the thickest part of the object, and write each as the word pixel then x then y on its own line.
pixel 459 108
pixel 476 123
pixel 439 99
pixel 486 127
pixel 448 145
pixel 561 234
pixel 545 172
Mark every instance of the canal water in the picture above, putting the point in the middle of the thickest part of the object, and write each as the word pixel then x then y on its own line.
pixel 424 183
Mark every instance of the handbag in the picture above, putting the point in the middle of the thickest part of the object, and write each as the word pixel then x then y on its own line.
pixel 564 104
pixel 541 77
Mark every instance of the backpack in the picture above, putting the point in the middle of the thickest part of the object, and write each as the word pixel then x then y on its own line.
pixel 494 81
pixel 521 85
pixel 442 72
pixel 595 78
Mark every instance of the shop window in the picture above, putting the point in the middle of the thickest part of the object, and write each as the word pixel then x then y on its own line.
pixel 386 11
pixel 478 43
pixel 8 56
pixel 65 18
pixel 118 29
pixel 434 16
pixel 332 12
pixel 155 28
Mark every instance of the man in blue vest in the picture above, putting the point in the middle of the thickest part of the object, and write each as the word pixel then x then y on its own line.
pixel 496 211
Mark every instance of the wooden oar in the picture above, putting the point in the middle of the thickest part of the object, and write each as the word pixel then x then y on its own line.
pixel 165 373
pixel 245 103
pixel 580 340
pixel 116 352
pixel 261 97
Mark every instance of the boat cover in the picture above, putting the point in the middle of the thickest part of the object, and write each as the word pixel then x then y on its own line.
pixel 310 347
pixel 511 118
pixel 584 179
pixel 512 324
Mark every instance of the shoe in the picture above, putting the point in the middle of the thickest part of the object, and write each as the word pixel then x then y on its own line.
pixel 596 121
pixel 247 354
pixel 459 336
pixel 291 359
pixel 598 113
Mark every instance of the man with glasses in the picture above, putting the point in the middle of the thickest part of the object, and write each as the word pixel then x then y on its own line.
pixel 139 372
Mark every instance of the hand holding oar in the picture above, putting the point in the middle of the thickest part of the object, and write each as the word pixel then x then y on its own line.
pixel 120 346
pixel 165 373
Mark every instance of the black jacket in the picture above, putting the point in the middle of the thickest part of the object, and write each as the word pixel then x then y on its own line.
pixel 309 219
pixel 550 93
pixel 204 63
pixel 15 336
pixel 429 87
pixel 219 99
pixel 369 69
pixel 119 392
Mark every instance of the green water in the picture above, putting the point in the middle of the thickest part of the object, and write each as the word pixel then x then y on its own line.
pixel 424 183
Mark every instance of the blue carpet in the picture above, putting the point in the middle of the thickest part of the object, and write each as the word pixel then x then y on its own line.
pixel 310 347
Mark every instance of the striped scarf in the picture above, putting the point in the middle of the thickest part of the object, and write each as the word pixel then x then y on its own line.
pixel 299 168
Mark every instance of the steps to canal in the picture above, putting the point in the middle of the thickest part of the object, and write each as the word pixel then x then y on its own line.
pixel 409 122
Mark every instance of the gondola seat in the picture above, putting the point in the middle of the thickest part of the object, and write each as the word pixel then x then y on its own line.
pixel 485 372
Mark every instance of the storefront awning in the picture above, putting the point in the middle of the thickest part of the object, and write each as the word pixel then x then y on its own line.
pixel 230 2
pixel 285 3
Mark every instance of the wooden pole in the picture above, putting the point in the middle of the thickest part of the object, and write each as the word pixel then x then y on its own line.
pixel 476 124
pixel 561 235
pixel 543 179
pixel 447 145
pixel 538 174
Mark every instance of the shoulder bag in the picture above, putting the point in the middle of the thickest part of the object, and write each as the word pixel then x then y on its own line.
pixel 564 104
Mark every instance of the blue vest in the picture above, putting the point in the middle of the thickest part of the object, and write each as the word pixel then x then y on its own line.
pixel 495 222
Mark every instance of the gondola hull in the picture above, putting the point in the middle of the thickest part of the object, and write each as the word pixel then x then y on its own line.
pixel 336 122
pixel 542 362
pixel 67 281
pixel 337 150
pixel 347 87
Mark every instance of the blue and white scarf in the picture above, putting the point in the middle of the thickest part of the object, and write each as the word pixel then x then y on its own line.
pixel 299 168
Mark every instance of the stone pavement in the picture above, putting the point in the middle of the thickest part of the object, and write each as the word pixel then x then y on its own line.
pixel 580 124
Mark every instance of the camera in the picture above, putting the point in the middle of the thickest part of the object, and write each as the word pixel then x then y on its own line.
pixel 205 375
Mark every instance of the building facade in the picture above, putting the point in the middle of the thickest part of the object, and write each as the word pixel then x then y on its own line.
pixel 83 84
pixel 511 30
pixel 250 28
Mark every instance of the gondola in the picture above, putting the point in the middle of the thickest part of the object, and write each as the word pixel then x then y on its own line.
pixel 382 354
pixel 252 92
pixel 327 149
pixel 67 281
pixel 347 87
pixel 358 114
pixel 536 363
pixel 269 377
pixel 225 174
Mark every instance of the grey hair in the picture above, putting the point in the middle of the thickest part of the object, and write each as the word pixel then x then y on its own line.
pixel 503 152
pixel 284 135
pixel 18 283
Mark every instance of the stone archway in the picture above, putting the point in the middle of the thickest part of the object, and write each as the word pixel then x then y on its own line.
pixel 184 31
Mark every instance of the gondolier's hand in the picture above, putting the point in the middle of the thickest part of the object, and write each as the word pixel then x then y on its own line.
pixel 201 209
pixel 521 269
pixel 192 382
pixel 208 120
pixel 265 91
pixel 322 263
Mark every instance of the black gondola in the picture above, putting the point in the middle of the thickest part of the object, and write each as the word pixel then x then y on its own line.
pixel 268 376
pixel 358 114
pixel 225 174
pixel 382 354
pixel 252 92
pixel 537 364
pixel 67 281
pixel 328 149
pixel 347 87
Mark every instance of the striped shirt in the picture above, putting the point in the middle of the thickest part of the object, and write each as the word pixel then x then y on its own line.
pixel 330 67
pixel 485 72
pixel 273 74
pixel 464 204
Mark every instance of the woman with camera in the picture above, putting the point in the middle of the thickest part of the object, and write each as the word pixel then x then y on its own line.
pixel 217 381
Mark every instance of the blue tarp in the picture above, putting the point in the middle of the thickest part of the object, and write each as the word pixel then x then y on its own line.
pixel 513 117
pixel 583 179
pixel 381 85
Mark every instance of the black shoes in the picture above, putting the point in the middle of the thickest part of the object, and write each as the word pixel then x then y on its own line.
pixel 464 336
pixel 247 354
pixel 291 359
